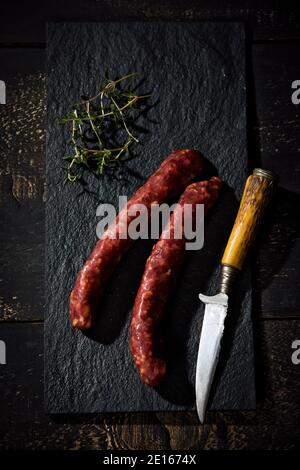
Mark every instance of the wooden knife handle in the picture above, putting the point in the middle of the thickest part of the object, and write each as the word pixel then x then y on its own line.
pixel 255 198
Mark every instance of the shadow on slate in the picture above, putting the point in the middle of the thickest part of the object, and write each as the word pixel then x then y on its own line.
pixel 118 299
pixel 197 72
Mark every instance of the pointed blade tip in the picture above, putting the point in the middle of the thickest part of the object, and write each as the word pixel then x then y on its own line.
pixel 201 416
pixel 200 406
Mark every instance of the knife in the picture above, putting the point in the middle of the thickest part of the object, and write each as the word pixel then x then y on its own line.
pixel 256 195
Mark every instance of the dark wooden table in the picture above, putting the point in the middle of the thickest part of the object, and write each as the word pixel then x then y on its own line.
pixel 273 48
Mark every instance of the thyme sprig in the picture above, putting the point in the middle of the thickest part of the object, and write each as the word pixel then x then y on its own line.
pixel 101 127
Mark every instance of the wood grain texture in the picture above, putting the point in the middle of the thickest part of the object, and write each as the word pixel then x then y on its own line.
pixel 22 148
pixel 25 22
pixel 275 424
pixel 256 196
pixel 275 146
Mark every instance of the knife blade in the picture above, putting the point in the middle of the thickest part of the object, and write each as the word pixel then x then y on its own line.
pixel 256 195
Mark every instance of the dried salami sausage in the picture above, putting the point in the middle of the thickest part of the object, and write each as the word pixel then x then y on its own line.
pixel 158 281
pixel 174 174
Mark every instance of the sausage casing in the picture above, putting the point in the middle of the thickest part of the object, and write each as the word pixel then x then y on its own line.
pixel 174 174
pixel 158 281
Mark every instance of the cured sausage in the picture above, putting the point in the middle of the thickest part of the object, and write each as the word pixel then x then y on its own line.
pixel 158 281
pixel 174 174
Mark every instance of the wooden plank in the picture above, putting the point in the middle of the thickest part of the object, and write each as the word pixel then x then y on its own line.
pixel 277 140
pixel 23 422
pixel 22 184
pixel 25 22
pixel 275 424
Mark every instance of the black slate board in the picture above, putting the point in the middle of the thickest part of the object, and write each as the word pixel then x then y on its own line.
pixel 197 71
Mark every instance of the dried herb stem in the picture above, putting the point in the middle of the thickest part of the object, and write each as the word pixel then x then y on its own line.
pixel 101 127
